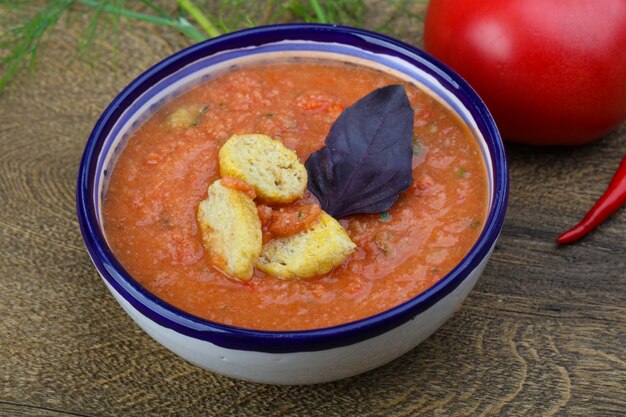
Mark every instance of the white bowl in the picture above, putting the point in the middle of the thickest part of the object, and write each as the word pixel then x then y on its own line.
pixel 287 357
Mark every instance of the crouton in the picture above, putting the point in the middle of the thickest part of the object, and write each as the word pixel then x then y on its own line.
pixel 188 116
pixel 231 230
pixel 274 170
pixel 314 251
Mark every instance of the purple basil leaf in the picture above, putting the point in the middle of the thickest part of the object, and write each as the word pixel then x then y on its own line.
pixel 366 161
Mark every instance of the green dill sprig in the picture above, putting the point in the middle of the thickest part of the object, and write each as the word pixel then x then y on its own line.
pixel 22 40
pixel 202 19
pixel 24 25
pixel 20 43
pixel 116 8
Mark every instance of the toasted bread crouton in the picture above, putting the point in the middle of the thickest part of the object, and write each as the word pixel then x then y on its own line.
pixel 274 170
pixel 231 230
pixel 188 116
pixel 314 251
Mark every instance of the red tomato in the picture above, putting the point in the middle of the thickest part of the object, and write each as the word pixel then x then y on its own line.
pixel 552 72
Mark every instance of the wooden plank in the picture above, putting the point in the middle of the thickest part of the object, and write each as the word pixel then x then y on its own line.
pixel 542 334
pixel 23 410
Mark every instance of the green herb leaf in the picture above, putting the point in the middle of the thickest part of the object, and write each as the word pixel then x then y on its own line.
pixel 385 216
pixel 201 113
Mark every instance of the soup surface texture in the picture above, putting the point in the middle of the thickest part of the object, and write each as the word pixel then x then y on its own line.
pixel 165 170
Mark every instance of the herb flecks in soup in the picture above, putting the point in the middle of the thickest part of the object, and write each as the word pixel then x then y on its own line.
pixel 163 174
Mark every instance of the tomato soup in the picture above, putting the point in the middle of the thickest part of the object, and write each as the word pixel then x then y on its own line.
pixel 164 172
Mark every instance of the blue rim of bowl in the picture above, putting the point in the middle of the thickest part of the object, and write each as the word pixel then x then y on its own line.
pixel 232 337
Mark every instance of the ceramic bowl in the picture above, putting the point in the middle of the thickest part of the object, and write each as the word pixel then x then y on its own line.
pixel 289 357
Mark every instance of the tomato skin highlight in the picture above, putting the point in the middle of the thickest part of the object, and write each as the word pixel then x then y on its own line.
pixel 552 72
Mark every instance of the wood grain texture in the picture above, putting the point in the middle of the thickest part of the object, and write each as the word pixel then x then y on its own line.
pixel 542 334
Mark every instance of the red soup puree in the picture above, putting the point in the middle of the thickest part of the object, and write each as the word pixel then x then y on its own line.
pixel 169 162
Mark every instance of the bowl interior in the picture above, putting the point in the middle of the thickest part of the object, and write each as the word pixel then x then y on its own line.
pixel 209 67
pixel 181 72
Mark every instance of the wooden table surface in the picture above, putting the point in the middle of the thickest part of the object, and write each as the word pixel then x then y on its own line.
pixel 543 333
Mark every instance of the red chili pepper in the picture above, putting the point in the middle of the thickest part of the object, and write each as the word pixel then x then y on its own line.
pixel 613 198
